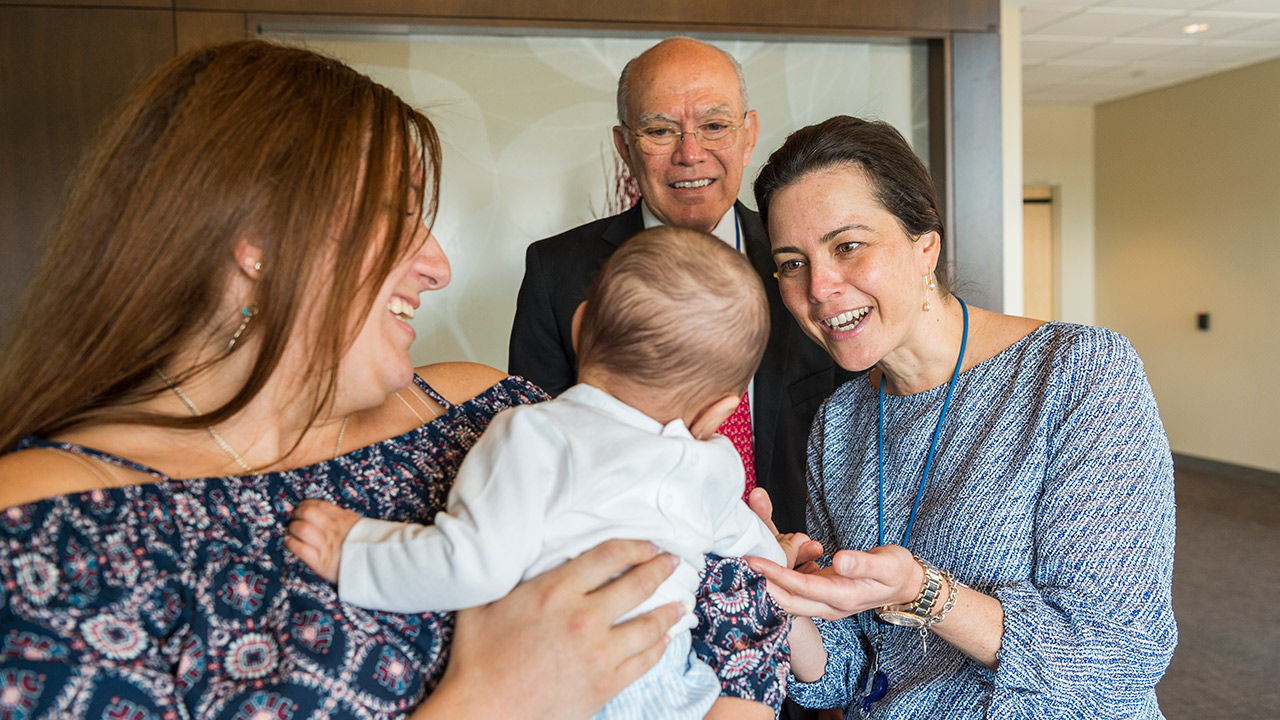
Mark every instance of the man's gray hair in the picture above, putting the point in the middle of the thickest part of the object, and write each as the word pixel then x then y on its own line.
pixel 624 80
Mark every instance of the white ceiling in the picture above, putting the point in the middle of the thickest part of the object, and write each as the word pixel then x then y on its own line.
pixel 1091 51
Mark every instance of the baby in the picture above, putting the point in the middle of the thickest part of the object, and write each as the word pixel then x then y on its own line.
pixel 668 338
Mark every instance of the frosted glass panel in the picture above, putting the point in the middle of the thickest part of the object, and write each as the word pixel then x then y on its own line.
pixel 528 153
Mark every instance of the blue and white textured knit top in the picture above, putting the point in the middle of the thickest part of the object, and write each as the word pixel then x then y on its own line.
pixel 1052 490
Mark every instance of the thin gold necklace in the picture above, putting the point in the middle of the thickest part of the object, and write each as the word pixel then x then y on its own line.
pixel 217 439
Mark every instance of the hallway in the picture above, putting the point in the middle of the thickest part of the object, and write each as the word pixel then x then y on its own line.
pixel 1226 584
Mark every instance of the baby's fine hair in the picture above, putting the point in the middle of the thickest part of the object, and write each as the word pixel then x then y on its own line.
pixel 678 311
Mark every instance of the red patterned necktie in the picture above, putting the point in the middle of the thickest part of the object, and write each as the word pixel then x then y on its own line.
pixel 738 429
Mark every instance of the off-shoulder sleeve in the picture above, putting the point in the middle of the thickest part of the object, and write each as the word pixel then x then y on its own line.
pixel 1094 629
pixel 742 632
pixel 509 392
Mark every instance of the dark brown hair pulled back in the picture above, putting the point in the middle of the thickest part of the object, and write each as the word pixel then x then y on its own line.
pixel 902 182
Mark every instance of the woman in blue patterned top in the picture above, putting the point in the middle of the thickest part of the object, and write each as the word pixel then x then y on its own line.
pixel 994 499
pixel 218 331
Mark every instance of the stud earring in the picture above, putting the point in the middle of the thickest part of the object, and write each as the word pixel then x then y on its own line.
pixel 247 313
pixel 257 267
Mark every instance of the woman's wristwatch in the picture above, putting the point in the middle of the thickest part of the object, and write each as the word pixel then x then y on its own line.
pixel 916 615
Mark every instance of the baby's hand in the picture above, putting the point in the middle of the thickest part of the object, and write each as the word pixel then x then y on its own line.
pixel 800 551
pixel 316 534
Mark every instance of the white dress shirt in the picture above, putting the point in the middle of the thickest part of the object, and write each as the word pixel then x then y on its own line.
pixel 545 483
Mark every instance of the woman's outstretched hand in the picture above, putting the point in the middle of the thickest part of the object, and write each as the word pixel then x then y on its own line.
pixel 856 581
pixel 550 648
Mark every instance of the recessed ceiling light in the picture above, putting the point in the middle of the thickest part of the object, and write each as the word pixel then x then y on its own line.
pixel 1194 28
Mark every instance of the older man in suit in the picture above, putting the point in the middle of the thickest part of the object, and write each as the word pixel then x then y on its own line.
pixel 686 133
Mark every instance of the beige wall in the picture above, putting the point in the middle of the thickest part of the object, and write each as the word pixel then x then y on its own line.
pixel 525 163
pixel 1011 155
pixel 1058 151
pixel 1188 199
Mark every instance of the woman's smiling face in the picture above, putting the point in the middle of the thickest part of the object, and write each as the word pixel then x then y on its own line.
pixel 378 362
pixel 847 271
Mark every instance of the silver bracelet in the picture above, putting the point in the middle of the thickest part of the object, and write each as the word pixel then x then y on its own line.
pixel 950 604
pixel 947 607
pixel 918 614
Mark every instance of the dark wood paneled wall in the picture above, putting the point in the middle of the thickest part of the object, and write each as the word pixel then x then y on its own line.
pixel 898 16
pixel 64 65
pixel 62 70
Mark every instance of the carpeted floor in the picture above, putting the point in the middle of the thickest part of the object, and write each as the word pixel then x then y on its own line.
pixel 1226 596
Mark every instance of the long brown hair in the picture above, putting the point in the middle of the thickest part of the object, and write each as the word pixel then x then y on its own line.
pixel 310 159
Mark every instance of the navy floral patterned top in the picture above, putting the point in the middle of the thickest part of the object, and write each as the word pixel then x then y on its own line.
pixel 176 599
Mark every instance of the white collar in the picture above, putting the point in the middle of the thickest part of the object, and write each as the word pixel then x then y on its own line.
pixel 610 406
pixel 725 229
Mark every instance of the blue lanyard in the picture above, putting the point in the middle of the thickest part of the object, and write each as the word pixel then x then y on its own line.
pixel 933 447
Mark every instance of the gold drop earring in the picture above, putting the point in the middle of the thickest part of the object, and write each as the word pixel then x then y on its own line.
pixel 246 314
pixel 929 285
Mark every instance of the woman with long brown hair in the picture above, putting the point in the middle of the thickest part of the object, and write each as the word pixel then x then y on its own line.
pixel 217 331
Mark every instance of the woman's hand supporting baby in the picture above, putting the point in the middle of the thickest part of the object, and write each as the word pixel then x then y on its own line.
pixel 553 638
pixel 554 641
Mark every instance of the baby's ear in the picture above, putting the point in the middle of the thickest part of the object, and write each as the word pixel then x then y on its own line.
pixel 706 422
pixel 575 324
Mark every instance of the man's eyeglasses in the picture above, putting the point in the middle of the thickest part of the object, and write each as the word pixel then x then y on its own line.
pixel 659 139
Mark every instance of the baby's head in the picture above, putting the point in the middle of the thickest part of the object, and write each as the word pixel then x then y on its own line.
pixel 677 315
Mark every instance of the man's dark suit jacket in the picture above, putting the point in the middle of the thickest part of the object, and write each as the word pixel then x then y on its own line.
pixel 795 375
